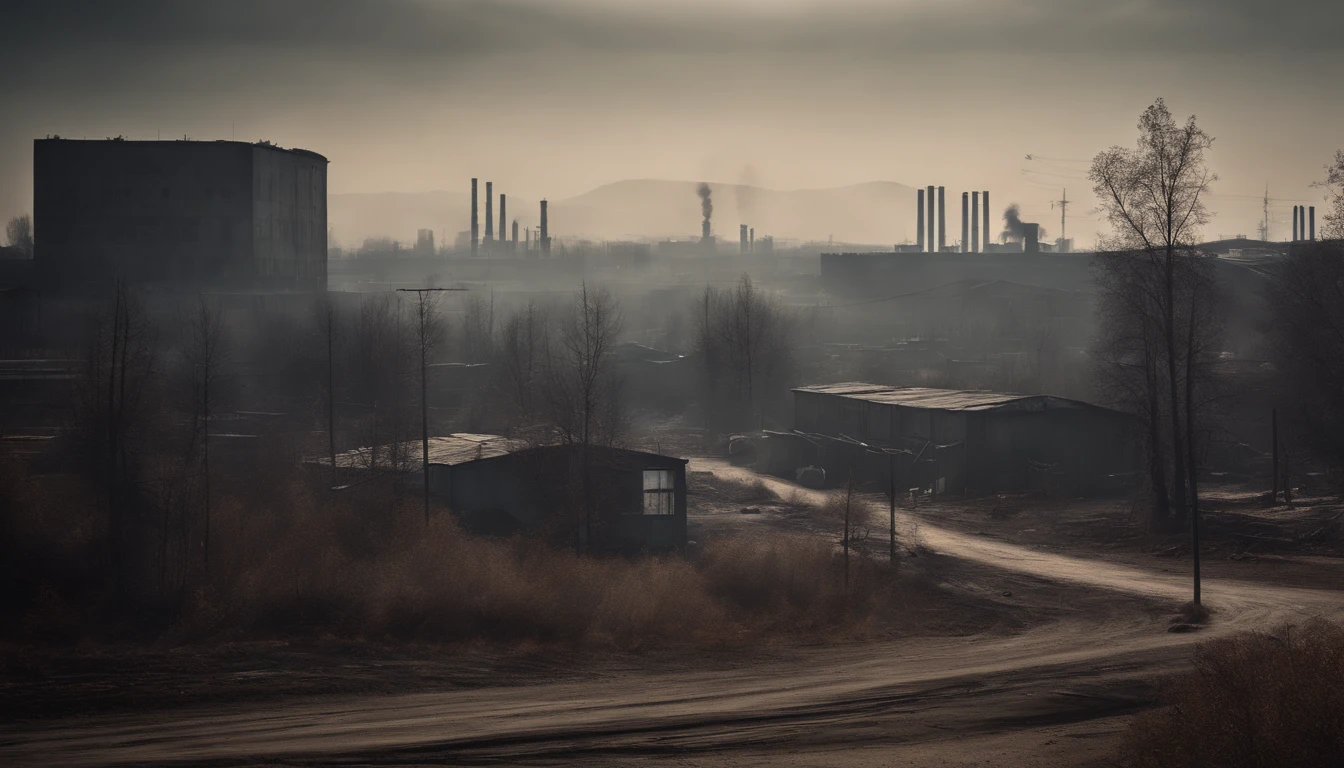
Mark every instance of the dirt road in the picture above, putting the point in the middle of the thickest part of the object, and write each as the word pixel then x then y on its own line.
pixel 1029 698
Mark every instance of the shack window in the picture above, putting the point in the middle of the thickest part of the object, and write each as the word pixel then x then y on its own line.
pixel 660 492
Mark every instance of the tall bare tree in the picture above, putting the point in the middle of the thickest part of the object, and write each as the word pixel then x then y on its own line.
pixel 744 341
pixel 112 411
pixel 207 355
pixel 582 386
pixel 1153 198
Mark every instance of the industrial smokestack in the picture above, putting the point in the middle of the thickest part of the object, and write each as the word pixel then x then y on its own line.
pixel 985 202
pixel 545 232
pixel 503 217
pixel 1302 222
pixel 489 212
pixel 1311 232
pixel 932 243
pixel 751 246
pixel 1031 238
pixel 1294 223
pixel 515 235
pixel 475 224
pixel 706 210
pixel 975 222
pixel 942 221
pixel 965 222
pixel 919 216
pixel 742 238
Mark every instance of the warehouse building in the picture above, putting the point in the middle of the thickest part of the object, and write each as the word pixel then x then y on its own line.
pixel 963 441
pixel 498 486
pixel 192 214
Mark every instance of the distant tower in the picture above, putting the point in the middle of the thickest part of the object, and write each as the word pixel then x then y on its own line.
pixel 985 202
pixel 742 238
pixel 942 221
pixel 475 223
pixel 751 245
pixel 545 232
pixel 1311 231
pixel 489 212
pixel 503 217
pixel 1294 223
pixel 515 235
pixel 1264 221
pixel 965 222
pixel 932 243
pixel 919 216
pixel 975 222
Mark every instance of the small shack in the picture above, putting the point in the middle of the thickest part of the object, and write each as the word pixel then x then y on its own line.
pixel 631 502
pixel 960 441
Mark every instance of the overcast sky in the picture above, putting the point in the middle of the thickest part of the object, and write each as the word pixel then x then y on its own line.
pixel 553 97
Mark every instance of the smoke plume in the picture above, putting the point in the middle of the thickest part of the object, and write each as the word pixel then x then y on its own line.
pixel 706 203
pixel 1014 229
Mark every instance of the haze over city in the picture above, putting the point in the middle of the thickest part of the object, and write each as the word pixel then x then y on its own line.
pixel 563 96
pixel 788 383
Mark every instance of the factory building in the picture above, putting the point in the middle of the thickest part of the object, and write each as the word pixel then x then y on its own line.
pixel 963 441
pixel 222 214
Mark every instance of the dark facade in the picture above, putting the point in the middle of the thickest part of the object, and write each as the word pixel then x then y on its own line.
pixel 956 441
pixel 221 214
pixel 637 499
pixel 498 486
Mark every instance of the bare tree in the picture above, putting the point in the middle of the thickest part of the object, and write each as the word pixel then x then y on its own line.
pixel 1332 227
pixel 112 411
pixel 1153 197
pixel 19 234
pixel 582 387
pixel 744 341
pixel 520 360
pixel 207 355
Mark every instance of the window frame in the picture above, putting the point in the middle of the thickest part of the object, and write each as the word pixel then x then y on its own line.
pixel 665 496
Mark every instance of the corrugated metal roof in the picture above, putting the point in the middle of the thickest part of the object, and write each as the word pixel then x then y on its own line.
pixel 449 450
pixel 942 399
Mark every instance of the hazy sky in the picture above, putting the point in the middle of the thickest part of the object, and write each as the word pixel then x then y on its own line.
pixel 550 98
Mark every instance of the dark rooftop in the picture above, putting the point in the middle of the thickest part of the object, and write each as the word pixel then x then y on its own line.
pixel 943 399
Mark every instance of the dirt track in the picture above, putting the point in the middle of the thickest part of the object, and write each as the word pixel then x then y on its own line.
pixel 1030 698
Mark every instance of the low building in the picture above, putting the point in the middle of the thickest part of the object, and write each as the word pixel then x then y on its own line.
pixel 966 441
pixel 496 486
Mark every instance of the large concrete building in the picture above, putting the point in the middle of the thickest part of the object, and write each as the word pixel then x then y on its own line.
pixel 219 214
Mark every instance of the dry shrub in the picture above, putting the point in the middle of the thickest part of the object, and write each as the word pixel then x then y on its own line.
pixel 1259 699
pixel 331 567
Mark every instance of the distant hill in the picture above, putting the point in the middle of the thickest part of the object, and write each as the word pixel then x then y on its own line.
pixel 879 212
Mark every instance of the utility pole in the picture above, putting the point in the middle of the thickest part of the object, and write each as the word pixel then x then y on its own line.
pixel 1264 222
pixel 1063 204
pixel 424 312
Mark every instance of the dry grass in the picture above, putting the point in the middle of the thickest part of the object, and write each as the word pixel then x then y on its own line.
pixel 291 562
pixel 1260 699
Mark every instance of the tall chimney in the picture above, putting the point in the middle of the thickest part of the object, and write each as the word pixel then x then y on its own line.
pixel 475 224
pixel 965 222
pixel 704 231
pixel 975 222
pixel 985 202
pixel 1311 232
pixel 503 218
pixel 545 236
pixel 942 221
pixel 751 246
pixel 742 238
pixel 919 215
pixel 1294 223
pixel 1302 222
pixel 932 244
pixel 1031 238
pixel 515 235
pixel 489 212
